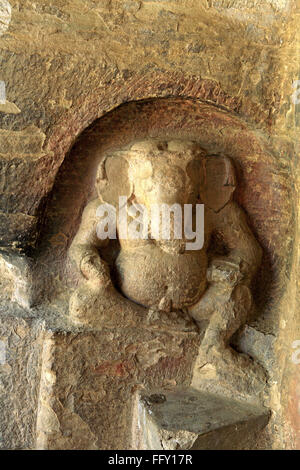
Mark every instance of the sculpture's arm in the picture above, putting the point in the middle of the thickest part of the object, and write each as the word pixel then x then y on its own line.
pixel 229 276
pixel 84 248
pixel 244 252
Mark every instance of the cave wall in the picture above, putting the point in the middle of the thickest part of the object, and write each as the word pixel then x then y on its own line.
pixel 230 64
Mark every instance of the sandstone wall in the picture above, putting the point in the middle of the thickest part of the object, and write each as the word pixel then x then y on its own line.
pixel 229 63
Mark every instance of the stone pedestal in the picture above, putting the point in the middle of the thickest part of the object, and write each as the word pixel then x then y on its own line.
pixel 65 388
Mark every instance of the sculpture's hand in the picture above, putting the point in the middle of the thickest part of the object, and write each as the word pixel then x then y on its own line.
pixel 225 272
pixel 95 269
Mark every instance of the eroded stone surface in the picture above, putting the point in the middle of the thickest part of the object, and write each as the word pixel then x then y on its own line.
pixel 89 380
pixel 226 71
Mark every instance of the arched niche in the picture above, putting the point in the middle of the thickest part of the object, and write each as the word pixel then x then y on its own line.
pixel 264 190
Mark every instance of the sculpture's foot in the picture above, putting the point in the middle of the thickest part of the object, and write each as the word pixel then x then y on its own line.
pixel 226 357
pixel 220 362
pixel 96 307
pixel 175 320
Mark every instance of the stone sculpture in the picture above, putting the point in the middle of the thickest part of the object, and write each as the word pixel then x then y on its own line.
pixel 157 283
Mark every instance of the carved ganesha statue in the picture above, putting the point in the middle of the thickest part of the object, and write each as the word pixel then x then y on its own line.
pixel 152 281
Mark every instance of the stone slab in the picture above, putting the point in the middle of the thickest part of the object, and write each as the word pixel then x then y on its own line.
pixel 189 419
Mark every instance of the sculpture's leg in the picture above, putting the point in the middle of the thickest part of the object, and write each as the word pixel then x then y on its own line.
pixel 226 310
pixel 217 361
pixel 226 319
pixel 95 307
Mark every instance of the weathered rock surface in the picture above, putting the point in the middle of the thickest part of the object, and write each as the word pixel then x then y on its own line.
pixel 220 72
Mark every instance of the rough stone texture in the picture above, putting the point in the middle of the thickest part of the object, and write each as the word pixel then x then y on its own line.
pixel 219 72
pixel 89 379
pixel 20 381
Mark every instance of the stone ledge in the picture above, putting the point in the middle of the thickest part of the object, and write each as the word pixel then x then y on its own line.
pixel 79 386
pixel 189 419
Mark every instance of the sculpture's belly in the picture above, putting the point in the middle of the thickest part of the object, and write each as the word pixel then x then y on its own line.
pixel 148 274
